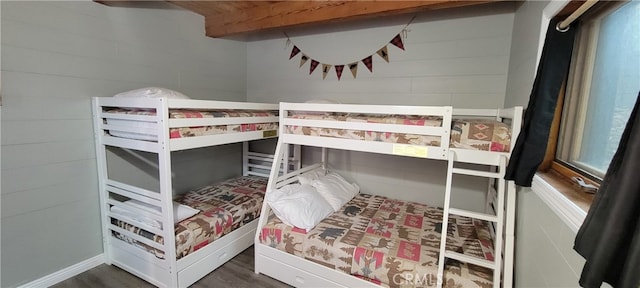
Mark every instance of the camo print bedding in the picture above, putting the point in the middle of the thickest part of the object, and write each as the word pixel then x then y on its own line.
pixel 195 131
pixel 389 242
pixel 402 138
pixel 225 207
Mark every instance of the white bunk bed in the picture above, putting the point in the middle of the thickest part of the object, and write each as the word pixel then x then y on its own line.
pixel 434 134
pixel 147 124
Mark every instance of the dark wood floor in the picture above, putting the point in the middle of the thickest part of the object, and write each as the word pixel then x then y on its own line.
pixel 238 272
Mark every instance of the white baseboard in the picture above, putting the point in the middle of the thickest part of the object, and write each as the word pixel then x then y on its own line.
pixel 66 273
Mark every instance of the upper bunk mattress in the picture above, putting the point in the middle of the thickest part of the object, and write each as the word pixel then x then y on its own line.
pixel 471 134
pixel 383 240
pixel 402 138
pixel 483 135
pixel 192 131
pixel 224 207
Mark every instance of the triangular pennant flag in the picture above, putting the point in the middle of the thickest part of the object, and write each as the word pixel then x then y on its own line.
pixel 303 60
pixel 354 69
pixel 325 70
pixel 313 66
pixel 383 53
pixel 368 62
pixel 294 51
pixel 339 69
pixel 397 41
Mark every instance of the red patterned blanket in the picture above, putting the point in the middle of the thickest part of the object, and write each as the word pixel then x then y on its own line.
pixel 389 242
pixel 225 207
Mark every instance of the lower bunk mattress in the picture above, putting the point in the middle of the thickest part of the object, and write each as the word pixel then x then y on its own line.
pixel 388 242
pixel 224 207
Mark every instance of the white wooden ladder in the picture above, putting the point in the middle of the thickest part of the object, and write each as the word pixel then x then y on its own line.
pixel 494 214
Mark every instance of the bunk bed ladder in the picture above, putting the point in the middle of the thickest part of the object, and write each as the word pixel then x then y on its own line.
pixel 496 218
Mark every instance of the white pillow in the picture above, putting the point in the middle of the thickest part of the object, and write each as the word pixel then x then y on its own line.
pixel 308 177
pixel 136 216
pixel 298 205
pixel 180 211
pixel 151 92
pixel 335 189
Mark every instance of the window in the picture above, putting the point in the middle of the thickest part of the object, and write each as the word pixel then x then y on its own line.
pixel 602 87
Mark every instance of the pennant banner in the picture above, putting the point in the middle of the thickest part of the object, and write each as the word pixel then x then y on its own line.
pixel 354 69
pixel 303 60
pixel 397 41
pixel 368 62
pixel 325 70
pixel 294 52
pixel 314 65
pixel 353 66
pixel 339 69
pixel 383 53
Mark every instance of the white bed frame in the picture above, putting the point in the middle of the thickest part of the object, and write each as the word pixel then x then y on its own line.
pixel 299 272
pixel 170 272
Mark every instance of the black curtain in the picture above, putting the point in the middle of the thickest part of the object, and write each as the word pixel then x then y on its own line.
pixel 609 238
pixel 531 144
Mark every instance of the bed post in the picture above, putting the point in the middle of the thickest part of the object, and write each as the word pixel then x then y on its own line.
pixel 166 191
pixel 102 175
pixel 325 155
pixel 245 158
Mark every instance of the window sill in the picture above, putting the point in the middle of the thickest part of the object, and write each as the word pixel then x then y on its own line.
pixel 568 202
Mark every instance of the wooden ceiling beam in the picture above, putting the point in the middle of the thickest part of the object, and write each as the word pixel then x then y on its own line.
pixel 267 15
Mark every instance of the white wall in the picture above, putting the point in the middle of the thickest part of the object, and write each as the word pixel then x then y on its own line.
pixel 544 246
pixel 456 58
pixel 524 52
pixel 55 56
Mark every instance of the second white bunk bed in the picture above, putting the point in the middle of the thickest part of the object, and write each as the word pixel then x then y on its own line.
pixel 140 228
pixel 372 240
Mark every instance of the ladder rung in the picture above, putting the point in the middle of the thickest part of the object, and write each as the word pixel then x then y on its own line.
pixel 471 214
pixel 476 173
pixel 470 259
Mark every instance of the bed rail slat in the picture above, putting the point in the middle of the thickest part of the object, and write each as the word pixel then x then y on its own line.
pixel 219 139
pixel 368 109
pixel 146 146
pixel 134 222
pixel 359 145
pixel 122 189
pixel 469 259
pixel 217 105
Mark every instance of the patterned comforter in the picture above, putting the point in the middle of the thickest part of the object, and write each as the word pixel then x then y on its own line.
pixel 194 131
pixel 225 207
pixel 402 138
pixel 473 134
pixel 480 135
pixel 389 242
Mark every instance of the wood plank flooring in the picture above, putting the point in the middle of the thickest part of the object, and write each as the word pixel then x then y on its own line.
pixel 238 272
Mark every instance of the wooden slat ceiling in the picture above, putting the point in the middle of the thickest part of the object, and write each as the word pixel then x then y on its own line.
pixel 231 18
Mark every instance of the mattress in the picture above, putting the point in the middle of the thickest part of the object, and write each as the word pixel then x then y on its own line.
pixel 389 242
pixel 482 135
pixel 191 131
pixel 400 138
pixel 224 207
pixel 471 134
